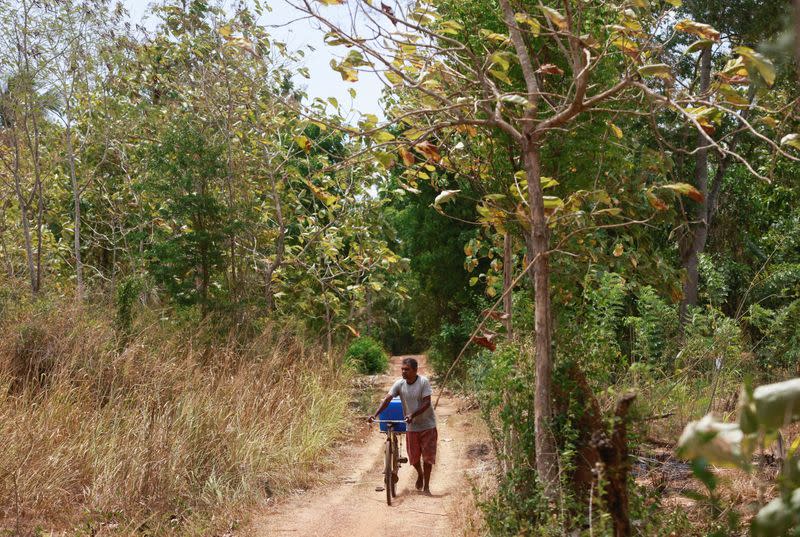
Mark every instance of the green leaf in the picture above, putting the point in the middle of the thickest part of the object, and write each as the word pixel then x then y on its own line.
pixel 515 99
pixel 660 70
pixel 699 45
pixel 552 202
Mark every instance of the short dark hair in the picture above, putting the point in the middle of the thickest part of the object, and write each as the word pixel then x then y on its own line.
pixel 412 362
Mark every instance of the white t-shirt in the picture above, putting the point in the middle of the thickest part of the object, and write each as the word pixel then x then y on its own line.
pixel 411 396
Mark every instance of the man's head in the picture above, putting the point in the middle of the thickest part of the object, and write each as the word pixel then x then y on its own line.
pixel 408 368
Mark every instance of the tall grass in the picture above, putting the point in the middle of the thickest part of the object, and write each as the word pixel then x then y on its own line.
pixel 161 435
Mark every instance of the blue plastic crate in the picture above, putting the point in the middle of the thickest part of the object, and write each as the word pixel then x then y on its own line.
pixel 393 412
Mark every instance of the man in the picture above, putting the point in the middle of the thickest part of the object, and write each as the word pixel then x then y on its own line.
pixel 421 436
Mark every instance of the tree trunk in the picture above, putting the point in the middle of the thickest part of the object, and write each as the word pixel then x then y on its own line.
pixel 76 199
pixel 614 455
pixel 507 279
pixel 546 452
pixel 280 246
pixel 26 225
pixel 699 235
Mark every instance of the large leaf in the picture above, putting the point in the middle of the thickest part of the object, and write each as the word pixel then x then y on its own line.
pixel 429 150
pixel 687 190
pixel 445 196
pixel 406 155
pixel 697 28
pixel 660 70
pixel 718 443
pixel 758 62
pixel 515 99
pixel 700 44
pixel 792 139
pixel 770 407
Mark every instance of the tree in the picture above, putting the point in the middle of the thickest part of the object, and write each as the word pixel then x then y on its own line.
pixel 510 77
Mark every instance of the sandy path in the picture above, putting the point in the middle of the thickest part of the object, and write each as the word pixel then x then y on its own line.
pixel 351 507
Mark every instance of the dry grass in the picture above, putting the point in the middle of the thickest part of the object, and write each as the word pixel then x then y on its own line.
pixel 168 435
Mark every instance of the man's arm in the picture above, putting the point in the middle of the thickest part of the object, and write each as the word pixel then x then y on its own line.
pixel 426 402
pixel 384 404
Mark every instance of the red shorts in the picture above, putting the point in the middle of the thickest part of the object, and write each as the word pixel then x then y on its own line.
pixel 422 444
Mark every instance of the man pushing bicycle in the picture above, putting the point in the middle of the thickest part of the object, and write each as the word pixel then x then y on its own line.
pixel 421 435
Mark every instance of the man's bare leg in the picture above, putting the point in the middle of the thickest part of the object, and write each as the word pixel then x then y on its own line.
pixel 427 474
pixel 418 468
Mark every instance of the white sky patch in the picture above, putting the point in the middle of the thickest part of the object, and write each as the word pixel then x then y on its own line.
pixel 285 24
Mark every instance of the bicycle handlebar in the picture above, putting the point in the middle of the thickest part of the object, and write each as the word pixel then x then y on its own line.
pixel 388 421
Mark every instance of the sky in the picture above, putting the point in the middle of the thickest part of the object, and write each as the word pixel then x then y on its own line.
pixel 324 81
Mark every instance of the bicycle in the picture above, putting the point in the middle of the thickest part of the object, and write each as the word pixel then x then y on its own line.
pixel 391 458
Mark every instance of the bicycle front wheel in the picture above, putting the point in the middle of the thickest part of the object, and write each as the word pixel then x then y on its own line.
pixel 387 470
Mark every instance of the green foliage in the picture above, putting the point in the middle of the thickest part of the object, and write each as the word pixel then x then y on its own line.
pixel 128 291
pixel 654 328
pixel 367 356
pixel 713 341
pixel 779 346
pixel 186 252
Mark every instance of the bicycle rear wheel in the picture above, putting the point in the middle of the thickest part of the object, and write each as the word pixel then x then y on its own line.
pixel 395 465
pixel 388 482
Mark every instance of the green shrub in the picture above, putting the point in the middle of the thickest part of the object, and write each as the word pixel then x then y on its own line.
pixel 367 356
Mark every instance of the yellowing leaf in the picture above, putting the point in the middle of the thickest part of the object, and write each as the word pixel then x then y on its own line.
pixel 697 28
pixel 687 190
pixel 499 60
pixel 558 20
pixel 550 69
pixel 533 24
pixel 616 130
pixel 618 250
pixel 429 150
pixel 758 62
pixel 331 2
pixel 225 31
pixel 494 36
pixel 383 136
pixel 406 155
pixel 675 3
pixel 303 142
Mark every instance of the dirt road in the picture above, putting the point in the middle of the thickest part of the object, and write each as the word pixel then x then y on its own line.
pixel 351 507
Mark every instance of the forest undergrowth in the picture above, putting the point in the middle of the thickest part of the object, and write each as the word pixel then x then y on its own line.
pixel 175 430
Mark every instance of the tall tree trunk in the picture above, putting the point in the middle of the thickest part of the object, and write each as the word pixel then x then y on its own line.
pixel 699 228
pixel 538 245
pixel 280 246
pixel 76 200
pixel 507 279
pixel 23 209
